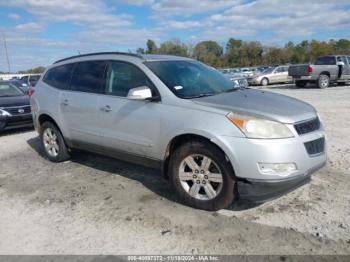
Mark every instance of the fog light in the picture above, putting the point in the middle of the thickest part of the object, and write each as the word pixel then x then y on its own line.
pixel 280 169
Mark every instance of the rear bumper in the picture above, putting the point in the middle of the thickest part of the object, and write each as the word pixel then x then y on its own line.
pixel 9 122
pixel 305 78
pixel 259 191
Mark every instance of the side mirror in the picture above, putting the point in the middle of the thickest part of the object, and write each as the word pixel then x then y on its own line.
pixel 140 93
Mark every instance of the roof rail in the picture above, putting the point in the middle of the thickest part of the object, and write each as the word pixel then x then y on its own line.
pixel 100 53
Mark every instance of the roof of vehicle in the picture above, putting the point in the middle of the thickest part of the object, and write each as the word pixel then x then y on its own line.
pixel 146 57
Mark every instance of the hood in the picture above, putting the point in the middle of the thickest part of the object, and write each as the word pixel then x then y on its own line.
pixel 262 104
pixel 14 101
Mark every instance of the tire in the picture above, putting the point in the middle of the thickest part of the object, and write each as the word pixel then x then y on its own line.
pixel 205 198
pixel 53 144
pixel 300 84
pixel 323 81
pixel 264 81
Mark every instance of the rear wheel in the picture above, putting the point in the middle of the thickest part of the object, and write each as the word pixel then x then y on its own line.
pixel 300 84
pixel 264 81
pixel 53 143
pixel 202 176
pixel 323 81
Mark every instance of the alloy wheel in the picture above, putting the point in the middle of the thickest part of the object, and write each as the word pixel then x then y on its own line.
pixel 200 177
pixel 51 142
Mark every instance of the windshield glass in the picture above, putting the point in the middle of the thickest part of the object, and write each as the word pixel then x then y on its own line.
pixel 269 70
pixel 7 90
pixel 190 79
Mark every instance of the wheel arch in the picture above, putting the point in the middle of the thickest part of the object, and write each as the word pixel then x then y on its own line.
pixel 325 73
pixel 180 139
pixel 44 117
pixel 265 77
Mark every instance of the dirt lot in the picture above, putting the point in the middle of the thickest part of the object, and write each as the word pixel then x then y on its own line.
pixel 97 205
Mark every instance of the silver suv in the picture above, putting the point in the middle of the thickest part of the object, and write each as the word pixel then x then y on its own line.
pixel 214 140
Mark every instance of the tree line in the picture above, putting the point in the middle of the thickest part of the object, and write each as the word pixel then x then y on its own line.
pixel 239 53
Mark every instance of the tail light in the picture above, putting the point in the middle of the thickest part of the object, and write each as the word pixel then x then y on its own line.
pixel 310 70
pixel 31 91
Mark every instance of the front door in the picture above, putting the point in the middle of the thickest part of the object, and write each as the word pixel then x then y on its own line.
pixel 346 68
pixel 126 125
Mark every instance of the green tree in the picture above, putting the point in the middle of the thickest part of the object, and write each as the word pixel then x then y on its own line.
pixel 209 52
pixel 151 47
pixel 233 48
pixel 140 50
pixel 36 70
pixel 173 47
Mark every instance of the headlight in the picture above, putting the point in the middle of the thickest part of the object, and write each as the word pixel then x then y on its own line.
pixel 259 128
pixel 4 113
pixel 235 83
pixel 242 83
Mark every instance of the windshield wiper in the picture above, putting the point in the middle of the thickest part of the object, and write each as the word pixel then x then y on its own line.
pixel 201 95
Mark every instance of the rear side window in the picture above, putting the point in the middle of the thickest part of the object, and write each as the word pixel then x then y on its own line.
pixel 326 60
pixel 89 77
pixel 59 76
pixel 121 77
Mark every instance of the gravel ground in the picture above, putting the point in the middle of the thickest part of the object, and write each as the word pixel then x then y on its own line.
pixel 97 205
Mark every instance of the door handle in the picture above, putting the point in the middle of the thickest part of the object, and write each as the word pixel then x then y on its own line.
pixel 65 102
pixel 106 108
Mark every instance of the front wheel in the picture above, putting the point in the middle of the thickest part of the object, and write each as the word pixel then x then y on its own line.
pixel 264 81
pixel 202 176
pixel 323 81
pixel 53 143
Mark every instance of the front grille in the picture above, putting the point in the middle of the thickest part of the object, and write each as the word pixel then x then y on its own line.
pixel 315 147
pixel 308 126
pixel 18 110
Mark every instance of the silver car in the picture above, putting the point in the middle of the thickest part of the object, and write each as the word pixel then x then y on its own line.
pixel 271 75
pixel 216 143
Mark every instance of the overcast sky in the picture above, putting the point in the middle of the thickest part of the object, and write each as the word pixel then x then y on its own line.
pixel 39 32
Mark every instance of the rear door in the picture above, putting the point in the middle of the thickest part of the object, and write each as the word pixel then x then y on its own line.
pixel 277 75
pixel 126 125
pixel 79 108
pixel 284 78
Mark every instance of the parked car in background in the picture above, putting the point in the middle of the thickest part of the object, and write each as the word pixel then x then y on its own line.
pixel 214 141
pixel 20 84
pixel 323 72
pixel 238 81
pixel 271 75
pixel 15 109
pixel 31 80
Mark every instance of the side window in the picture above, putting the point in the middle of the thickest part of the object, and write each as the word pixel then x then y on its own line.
pixel 279 70
pixel 89 77
pixel 343 58
pixel 59 76
pixel 121 77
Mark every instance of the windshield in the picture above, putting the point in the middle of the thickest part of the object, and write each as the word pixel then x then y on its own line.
pixel 268 71
pixel 190 79
pixel 7 90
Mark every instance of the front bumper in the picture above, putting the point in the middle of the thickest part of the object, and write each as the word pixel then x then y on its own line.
pixel 254 81
pixel 245 155
pixel 259 191
pixel 9 122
